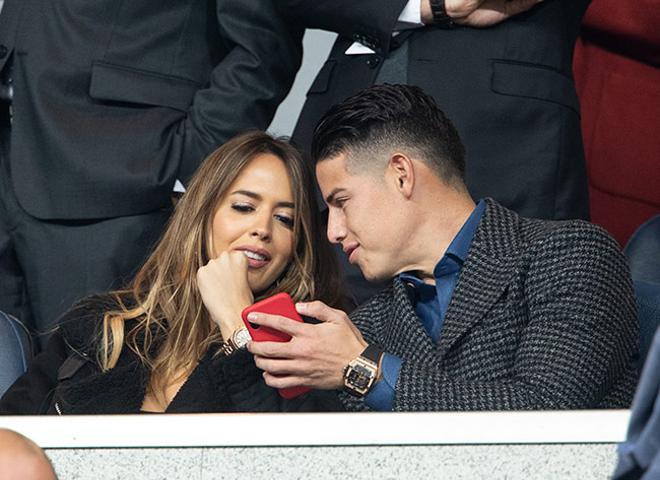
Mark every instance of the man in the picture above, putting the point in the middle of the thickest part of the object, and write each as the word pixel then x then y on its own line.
pixel 508 88
pixel 486 310
pixel 104 106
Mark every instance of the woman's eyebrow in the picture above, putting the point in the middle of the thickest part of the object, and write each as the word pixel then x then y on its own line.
pixel 258 197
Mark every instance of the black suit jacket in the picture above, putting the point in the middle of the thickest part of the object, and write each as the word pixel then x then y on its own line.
pixel 508 89
pixel 543 317
pixel 114 100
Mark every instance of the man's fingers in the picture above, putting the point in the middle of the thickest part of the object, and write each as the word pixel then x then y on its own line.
pixel 277 322
pixel 492 12
pixel 276 366
pixel 319 310
pixel 514 7
pixel 283 382
pixel 269 349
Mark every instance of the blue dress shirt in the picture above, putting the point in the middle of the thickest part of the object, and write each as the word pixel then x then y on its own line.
pixel 431 303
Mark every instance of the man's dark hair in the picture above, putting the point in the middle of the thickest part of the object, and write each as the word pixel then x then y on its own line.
pixel 382 118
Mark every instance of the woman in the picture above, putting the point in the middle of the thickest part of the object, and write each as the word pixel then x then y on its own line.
pixel 246 229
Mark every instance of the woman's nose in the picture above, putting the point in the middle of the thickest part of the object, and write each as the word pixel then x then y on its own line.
pixel 262 229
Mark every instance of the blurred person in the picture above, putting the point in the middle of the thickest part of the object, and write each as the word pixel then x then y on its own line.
pixel 486 310
pixel 104 105
pixel 246 229
pixel 639 455
pixel 22 459
pixel 500 69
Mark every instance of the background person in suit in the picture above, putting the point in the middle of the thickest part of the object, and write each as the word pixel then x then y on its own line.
pixel 508 89
pixel 487 310
pixel 104 106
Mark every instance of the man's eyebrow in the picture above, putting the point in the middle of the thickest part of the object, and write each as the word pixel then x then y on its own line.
pixel 331 197
pixel 258 197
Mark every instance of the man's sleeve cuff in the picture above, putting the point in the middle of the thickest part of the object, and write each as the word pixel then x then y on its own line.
pixel 381 396
pixel 411 16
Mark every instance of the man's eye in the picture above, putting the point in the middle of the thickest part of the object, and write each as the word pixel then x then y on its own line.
pixel 341 202
pixel 287 221
pixel 242 207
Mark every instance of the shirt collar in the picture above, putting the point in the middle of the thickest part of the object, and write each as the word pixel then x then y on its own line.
pixel 460 245
pixel 458 249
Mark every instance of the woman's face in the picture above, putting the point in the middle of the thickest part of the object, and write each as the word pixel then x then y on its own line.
pixel 256 217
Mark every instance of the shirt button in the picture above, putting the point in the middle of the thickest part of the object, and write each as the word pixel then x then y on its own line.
pixel 373 61
pixel 3 51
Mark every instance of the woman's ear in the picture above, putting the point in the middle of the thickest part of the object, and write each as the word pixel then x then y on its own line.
pixel 401 172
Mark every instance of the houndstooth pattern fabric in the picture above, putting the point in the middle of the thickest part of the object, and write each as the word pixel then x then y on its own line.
pixel 543 317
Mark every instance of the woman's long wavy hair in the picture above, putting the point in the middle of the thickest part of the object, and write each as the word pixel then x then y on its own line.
pixel 173 329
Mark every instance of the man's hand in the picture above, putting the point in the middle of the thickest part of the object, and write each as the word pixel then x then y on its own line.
pixel 479 13
pixel 224 288
pixel 316 354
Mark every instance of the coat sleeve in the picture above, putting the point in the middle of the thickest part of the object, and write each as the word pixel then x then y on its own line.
pixel 577 346
pixel 239 381
pixel 247 85
pixel 369 21
pixel 31 394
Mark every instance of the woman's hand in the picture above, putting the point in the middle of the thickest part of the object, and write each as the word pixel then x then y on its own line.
pixel 225 291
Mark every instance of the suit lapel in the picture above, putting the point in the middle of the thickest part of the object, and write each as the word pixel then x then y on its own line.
pixel 486 274
pixel 404 332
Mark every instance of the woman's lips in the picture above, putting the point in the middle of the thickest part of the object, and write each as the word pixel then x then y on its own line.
pixel 257 257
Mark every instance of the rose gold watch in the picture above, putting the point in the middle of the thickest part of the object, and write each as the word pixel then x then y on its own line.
pixel 362 372
pixel 238 340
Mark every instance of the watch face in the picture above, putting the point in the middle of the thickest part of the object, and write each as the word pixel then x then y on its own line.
pixel 360 377
pixel 241 337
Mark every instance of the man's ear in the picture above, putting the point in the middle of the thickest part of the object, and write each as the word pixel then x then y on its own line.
pixel 401 171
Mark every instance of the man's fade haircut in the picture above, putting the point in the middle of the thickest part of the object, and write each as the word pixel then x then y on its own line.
pixel 380 119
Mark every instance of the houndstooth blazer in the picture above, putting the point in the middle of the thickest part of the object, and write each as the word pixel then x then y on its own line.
pixel 542 317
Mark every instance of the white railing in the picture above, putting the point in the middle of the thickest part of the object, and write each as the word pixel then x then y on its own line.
pixel 318 429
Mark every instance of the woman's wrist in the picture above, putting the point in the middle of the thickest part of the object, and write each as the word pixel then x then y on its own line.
pixel 230 319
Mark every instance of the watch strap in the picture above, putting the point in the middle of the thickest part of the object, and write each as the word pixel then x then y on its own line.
pixel 373 353
pixel 229 346
pixel 440 16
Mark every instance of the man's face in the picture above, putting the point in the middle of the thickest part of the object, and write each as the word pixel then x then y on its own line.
pixel 363 213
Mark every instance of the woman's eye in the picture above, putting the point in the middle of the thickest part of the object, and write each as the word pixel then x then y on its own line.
pixel 287 221
pixel 242 207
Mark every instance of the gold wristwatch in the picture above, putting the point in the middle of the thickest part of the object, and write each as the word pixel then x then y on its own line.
pixel 362 372
pixel 238 340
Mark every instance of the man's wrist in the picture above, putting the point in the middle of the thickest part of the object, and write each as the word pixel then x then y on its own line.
pixel 425 12
pixel 362 372
pixel 439 13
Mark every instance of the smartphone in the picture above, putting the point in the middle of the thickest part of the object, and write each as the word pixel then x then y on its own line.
pixel 279 304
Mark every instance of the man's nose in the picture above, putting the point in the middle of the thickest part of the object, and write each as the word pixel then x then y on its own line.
pixel 336 230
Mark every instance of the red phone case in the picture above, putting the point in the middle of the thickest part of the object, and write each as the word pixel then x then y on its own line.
pixel 279 304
